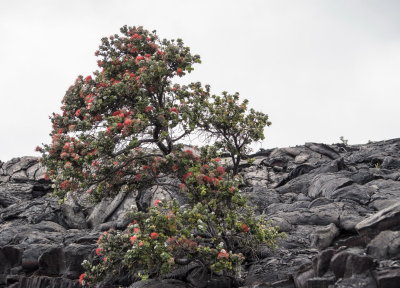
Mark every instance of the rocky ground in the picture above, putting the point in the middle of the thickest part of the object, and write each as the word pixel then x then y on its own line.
pixel 338 204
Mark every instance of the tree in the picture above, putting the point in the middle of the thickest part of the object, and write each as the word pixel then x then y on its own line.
pixel 120 129
pixel 232 126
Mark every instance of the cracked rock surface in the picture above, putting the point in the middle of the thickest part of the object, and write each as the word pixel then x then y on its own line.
pixel 338 204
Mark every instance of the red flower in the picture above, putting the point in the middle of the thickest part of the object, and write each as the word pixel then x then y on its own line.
pixel 223 254
pixel 88 79
pixel 136 230
pixel 102 84
pixel 65 184
pixel 153 235
pixel 81 278
pixel 128 122
pixel 99 251
pixel 148 109
pixel 117 113
pixel 147 55
pixel 156 202
pixel 220 170
pixel 187 175
pixel 245 228
pixel 120 126
pixel 78 112
pixel 174 109
pixel 98 118
pixel 145 167
pixel 179 71
pixel 141 243
pixel 159 52
pixel 136 36
pixel 207 179
pixel 232 189
pixel 139 58
pixel 182 186
pixel 133 239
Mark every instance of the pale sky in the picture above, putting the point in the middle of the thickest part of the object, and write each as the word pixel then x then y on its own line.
pixel 320 69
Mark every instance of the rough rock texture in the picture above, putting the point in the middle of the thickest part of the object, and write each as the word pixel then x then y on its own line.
pixel 338 204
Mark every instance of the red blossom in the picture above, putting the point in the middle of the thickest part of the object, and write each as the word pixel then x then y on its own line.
pixel 245 228
pixel 187 175
pixel 153 235
pixel 156 202
pixel 182 186
pixel 174 110
pixel 78 112
pixel 148 109
pixel 223 254
pixel 136 230
pixel 127 122
pixel 88 79
pixel 38 149
pixel 120 126
pixel 98 118
pixel 136 36
pixel 141 243
pixel 99 251
pixel 159 52
pixel 232 189
pixel 179 71
pixel 102 84
pixel 220 170
pixel 65 184
pixel 139 58
pixel 133 239
pixel 81 278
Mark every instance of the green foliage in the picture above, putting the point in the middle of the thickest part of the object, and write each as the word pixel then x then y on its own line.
pixel 233 126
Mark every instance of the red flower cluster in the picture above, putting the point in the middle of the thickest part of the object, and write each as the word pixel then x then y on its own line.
pixel 148 109
pixel 65 184
pixel 187 175
pixel 153 235
pixel 133 239
pixel 174 110
pixel 136 36
pixel 81 278
pixel 223 254
pixel 99 251
pixel 88 79
pixel 245 228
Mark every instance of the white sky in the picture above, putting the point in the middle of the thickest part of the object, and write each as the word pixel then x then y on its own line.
pixel 320 69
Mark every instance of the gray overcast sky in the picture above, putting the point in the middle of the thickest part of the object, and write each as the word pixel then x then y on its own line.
pixel 320 69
